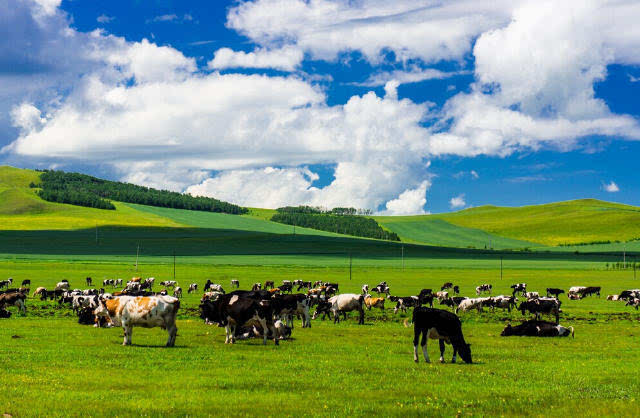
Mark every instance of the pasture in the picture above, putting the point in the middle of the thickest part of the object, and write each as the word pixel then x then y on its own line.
pixel 54 366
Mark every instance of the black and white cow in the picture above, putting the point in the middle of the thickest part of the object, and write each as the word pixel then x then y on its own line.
pixel 235 283
pixel 193 287
pixel 441 325
pixel 483 288
pixel 453 302
pixel 285 306
pixel 425 297
pixel 550 306
pixel 402 303
pixel 26 283
pixel 534 328
pixel 382 288
pixel 89 281
pixel 519 287
pixel 503 302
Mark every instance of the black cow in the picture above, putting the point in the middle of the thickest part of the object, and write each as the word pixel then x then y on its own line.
pixel 552 291
pixel 533 328
pixel 591 290
pixel 456 290
pixel 89 281
pixel 285 288
pixel 4 313
pixel 629 294
pixel 519 287
pixel 253 294
pixel 335 286
pixel 425 297
pixel 304 285
pixel 440 325
pixel 26 283
pixel 269 284
pixel 447 285
pixel 542 306
pixel 232 311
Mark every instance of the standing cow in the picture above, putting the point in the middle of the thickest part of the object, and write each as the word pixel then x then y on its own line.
pixel 438 324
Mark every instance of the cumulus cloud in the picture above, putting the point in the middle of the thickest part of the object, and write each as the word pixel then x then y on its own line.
pixel 286 59
pixel 457 202
pixel 406 77
pixel 105 19
pixel 611 187
pixel 474 174
pixel 409 202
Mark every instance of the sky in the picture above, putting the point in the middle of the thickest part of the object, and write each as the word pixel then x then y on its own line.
pixel 402 107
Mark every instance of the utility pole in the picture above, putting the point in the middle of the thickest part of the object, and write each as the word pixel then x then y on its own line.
pixel 137 255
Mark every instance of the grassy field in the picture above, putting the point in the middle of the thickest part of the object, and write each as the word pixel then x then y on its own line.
pixel 57 367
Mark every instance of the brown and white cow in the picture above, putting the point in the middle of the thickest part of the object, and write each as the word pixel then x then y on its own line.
pixel 141 311
pixel 371 302
pixel 16 299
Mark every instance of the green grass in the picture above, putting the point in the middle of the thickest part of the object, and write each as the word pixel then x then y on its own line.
pixel 434 231
pixel 58 367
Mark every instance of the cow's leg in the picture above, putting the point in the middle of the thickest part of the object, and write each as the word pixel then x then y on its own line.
pixel 455 351
pixel 336 317
pixel 227 331
pixel 361 321
pixel 307 317
pixel 425 353
pixel 127 328
pixel 442 351
pixel 172 330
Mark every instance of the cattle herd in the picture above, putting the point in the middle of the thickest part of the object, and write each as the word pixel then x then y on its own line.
pixel 267 311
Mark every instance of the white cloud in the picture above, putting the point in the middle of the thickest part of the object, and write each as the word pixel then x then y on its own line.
pixel 406 77
pixel 633 79
pixel 457 202
pixel 409 202
pixel 165 18
pixel 286 59
pixel 105 19
pixel 474 174
pixel 611 187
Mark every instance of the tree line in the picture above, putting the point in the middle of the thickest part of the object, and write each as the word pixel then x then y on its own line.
pixel 328 220
pixel 83 190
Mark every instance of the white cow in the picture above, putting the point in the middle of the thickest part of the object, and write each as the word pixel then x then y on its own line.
pixel 532 295
pixel 468 304
pixel 345 302
pixel 169 283
pixel 142 311
pixel 62 286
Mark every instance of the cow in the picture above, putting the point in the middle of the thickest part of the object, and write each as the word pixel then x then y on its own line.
pixel 232 311
pixel 633 302
pixel 519 287
pixel 79 302
pixel 382 288
pixel 534 328
pixel 142 311
pixel 575 292
pixel 402 303
pixel 256 287
pixel 177 292
pixel 554 292
pixel 629 294
pixel 269 284
pixel 453 302
pixel 63 285
pixel 288 305
pixel 193 287
pixel 371 302
pixel 539 306
pixel 117 283
pixel 89 281
pixel 254 329
pixel 286 287
pixel 318 283
pixel 365 289
pixel 425 297
pixel 441 325
pixel 304 285
pixel 343 303
pixel 532 295
pixel 469 304
pixel 441 295
pixel 483 288
pixel 26 283
pixel 169 283
pixel 447 285
pixel 613 297
pixel 16 299
pixel 591 290
pixel 148 283
pixel 6 283
pixel 504 302
pixel 235 283
pixel 456 290
pixel 39 291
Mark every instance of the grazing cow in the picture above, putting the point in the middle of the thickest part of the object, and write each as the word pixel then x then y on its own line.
pixel 169 283
pixel 16 299
pixel 235 283
pixel 469 304
pixel 365 289
pixel 447 285
pixel 343 303
pixel 629 294
pixel 89 281
pixel 193 287
pixel 534 328
pixel 232 311
pixel 456 290
pixel 519 287
pixel 425 297
pixel 26 283
pixel 539 306
pixel 441 325
pixel 633 303
pixel 177 292
pixel 504 302
pixel 256 287
pixel 441 295
pixel 453 302
pixel 402 303
pixel 555 292
pixel 532 295
pixel 382 288
pixel 370 302
pixel 286 287
pixel 591 290
pixel 107 282
pixel 483 288
pixel 148 283
pixel 117 283
pixel 6 283
pixel 143 311
pixel 304 285
pixel 63 285
pixel 39 291
pixel 269 284
pixel 318 283
pixel 288 305
pixel 613 297
pixel 287 282
pixel 297 282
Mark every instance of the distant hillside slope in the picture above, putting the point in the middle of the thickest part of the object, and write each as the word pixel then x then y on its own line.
pixel 572 222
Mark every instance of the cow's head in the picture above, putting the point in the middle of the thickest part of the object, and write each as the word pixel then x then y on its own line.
pixel 322 307
pixel 465 352
pixel 507 331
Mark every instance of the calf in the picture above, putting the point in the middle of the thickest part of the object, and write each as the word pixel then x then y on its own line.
pixel 552 291
pixel 519 287
pixel 235 283
pixel 613 297
pixel 343 303
pixel 370 302
pixel 193 287
pixel 441 325
pixel 232 311
pixel 534 328
pixel 144 311
pixel 549 306
pixel 483 288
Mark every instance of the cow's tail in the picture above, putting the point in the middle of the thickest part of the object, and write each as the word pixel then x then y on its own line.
pixel 573 334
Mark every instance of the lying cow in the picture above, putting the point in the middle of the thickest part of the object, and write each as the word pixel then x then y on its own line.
pixel 343 303
pixel 534 328
pixel 253 329
pixel 575 292
pixel 441 325
pixel 142 311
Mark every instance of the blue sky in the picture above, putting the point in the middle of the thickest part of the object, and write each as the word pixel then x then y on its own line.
pixel 404 107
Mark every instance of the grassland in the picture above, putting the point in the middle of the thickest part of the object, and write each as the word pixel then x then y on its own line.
pixel 58 367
